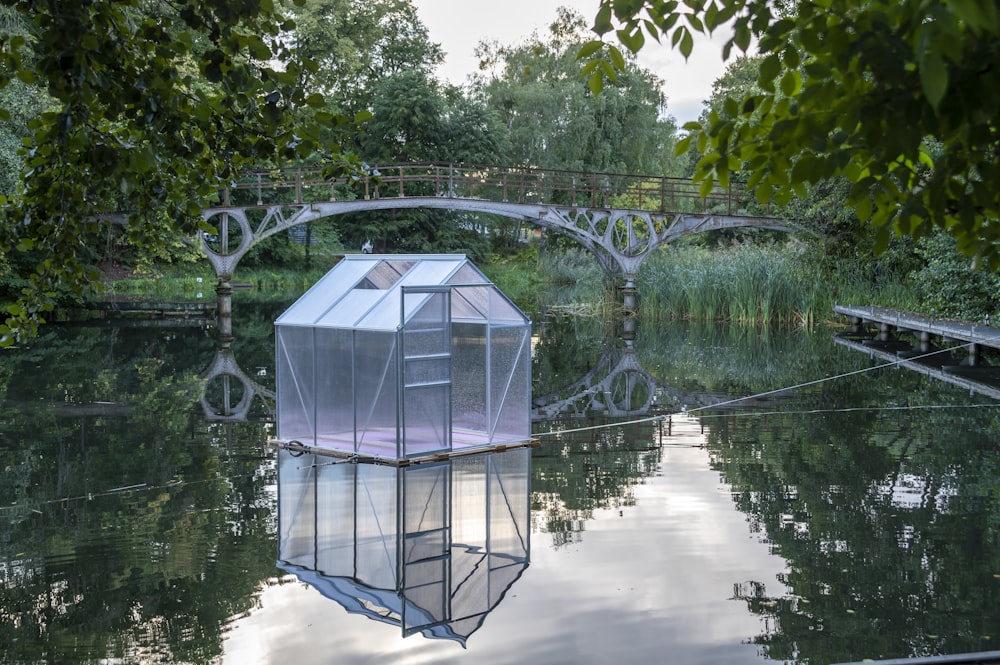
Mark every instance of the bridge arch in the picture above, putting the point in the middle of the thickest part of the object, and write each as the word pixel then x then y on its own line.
pixel 651 211
pixel 619 239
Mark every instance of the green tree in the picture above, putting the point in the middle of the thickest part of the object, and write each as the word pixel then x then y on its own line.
pixel 896 96
pixel 156 107
pixel 355 45
pixel 555 123
pixel 417 119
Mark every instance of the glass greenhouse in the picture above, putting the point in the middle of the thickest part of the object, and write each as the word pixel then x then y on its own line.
pixel 429 547
pixel 400 356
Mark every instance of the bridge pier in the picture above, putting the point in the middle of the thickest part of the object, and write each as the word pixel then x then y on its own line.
pixel 224 311
pixel 628 311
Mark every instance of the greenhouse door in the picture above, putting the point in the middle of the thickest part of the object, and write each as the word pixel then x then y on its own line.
pixel 426 521
pixel 425 346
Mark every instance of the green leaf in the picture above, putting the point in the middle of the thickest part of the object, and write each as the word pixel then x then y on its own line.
pixel 602 22
pixel 687 45
pixel 632 40
pixel 933 78
pixel 596 83
pixel 863 209
pixel 617 59
pixel 770 67
pixel 742 37
pixel 791 83
pixel 589 49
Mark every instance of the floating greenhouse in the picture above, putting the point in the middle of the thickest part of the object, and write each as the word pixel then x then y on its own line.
pixel 398 357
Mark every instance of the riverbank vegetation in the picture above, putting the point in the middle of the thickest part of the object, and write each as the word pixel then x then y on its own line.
pixel 526 106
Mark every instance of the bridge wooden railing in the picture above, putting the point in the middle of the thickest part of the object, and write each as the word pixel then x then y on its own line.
pixel 495 183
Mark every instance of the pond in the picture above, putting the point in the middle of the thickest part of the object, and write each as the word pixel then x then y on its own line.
pixel 683 507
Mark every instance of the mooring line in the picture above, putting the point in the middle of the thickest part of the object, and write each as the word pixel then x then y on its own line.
pixel 904 407
pixel 736 400
pixel 90 496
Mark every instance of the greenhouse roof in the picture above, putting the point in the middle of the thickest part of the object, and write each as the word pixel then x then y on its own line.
pixel 365 291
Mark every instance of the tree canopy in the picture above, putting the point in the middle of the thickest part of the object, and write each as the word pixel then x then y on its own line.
pixel 897 96
pixel 554 121
pixel 154 108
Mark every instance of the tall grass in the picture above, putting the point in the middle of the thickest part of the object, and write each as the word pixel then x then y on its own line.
pixel 750 284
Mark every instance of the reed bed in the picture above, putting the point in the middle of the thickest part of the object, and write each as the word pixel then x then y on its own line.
pixel 748 285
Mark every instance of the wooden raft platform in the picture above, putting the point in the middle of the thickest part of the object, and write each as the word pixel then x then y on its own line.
pixel 299 447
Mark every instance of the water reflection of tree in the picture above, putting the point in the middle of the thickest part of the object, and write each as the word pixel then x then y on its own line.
pixel 91 570
pixel 889 521
pixel 578 473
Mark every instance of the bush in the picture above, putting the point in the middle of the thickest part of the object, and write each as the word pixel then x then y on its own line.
pixel 950 286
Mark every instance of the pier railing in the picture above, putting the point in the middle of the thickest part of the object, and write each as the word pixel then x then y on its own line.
pixel 513 184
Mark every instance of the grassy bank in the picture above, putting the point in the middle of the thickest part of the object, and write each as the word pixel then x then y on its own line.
pixel 196 281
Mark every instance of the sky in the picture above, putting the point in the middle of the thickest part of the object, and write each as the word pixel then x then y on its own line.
pixel 458 25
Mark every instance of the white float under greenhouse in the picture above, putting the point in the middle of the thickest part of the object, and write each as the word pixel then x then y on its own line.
pixel 399 357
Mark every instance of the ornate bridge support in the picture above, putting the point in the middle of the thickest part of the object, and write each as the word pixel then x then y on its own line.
pixel 226 370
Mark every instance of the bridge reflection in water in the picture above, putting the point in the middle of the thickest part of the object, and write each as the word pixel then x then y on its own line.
pixel 431 548
pixel 616 386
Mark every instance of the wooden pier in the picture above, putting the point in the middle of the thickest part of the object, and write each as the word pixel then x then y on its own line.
pixel 924 327
pixel 887 334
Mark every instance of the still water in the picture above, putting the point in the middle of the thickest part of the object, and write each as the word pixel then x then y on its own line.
pixel 852 518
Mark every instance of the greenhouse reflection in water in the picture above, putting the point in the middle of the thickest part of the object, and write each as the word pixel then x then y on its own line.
pixel 429 547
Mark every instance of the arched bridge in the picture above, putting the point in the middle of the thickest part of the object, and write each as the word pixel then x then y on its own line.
pixel 621 219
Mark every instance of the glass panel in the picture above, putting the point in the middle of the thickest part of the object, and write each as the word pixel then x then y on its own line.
pixel 432 271
pixel 376 378
pixel 426 594
pixel 352 308
pixel 295 400
pixel 468 274
pixel 375 556
pixel 335 485
pixel 335 388
pixel 427 491
pixel 426 339
pixel 470 536
pixel 426 310
pixel 426 427
pixel 425 342
pixel 387 273
pixel 424 371
pixel 503 310
pixel 468 401
pixel 510 390
pixel 296 509
pixel 471 303
pixel 325 293
pixel 469 501
pixel 507 489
